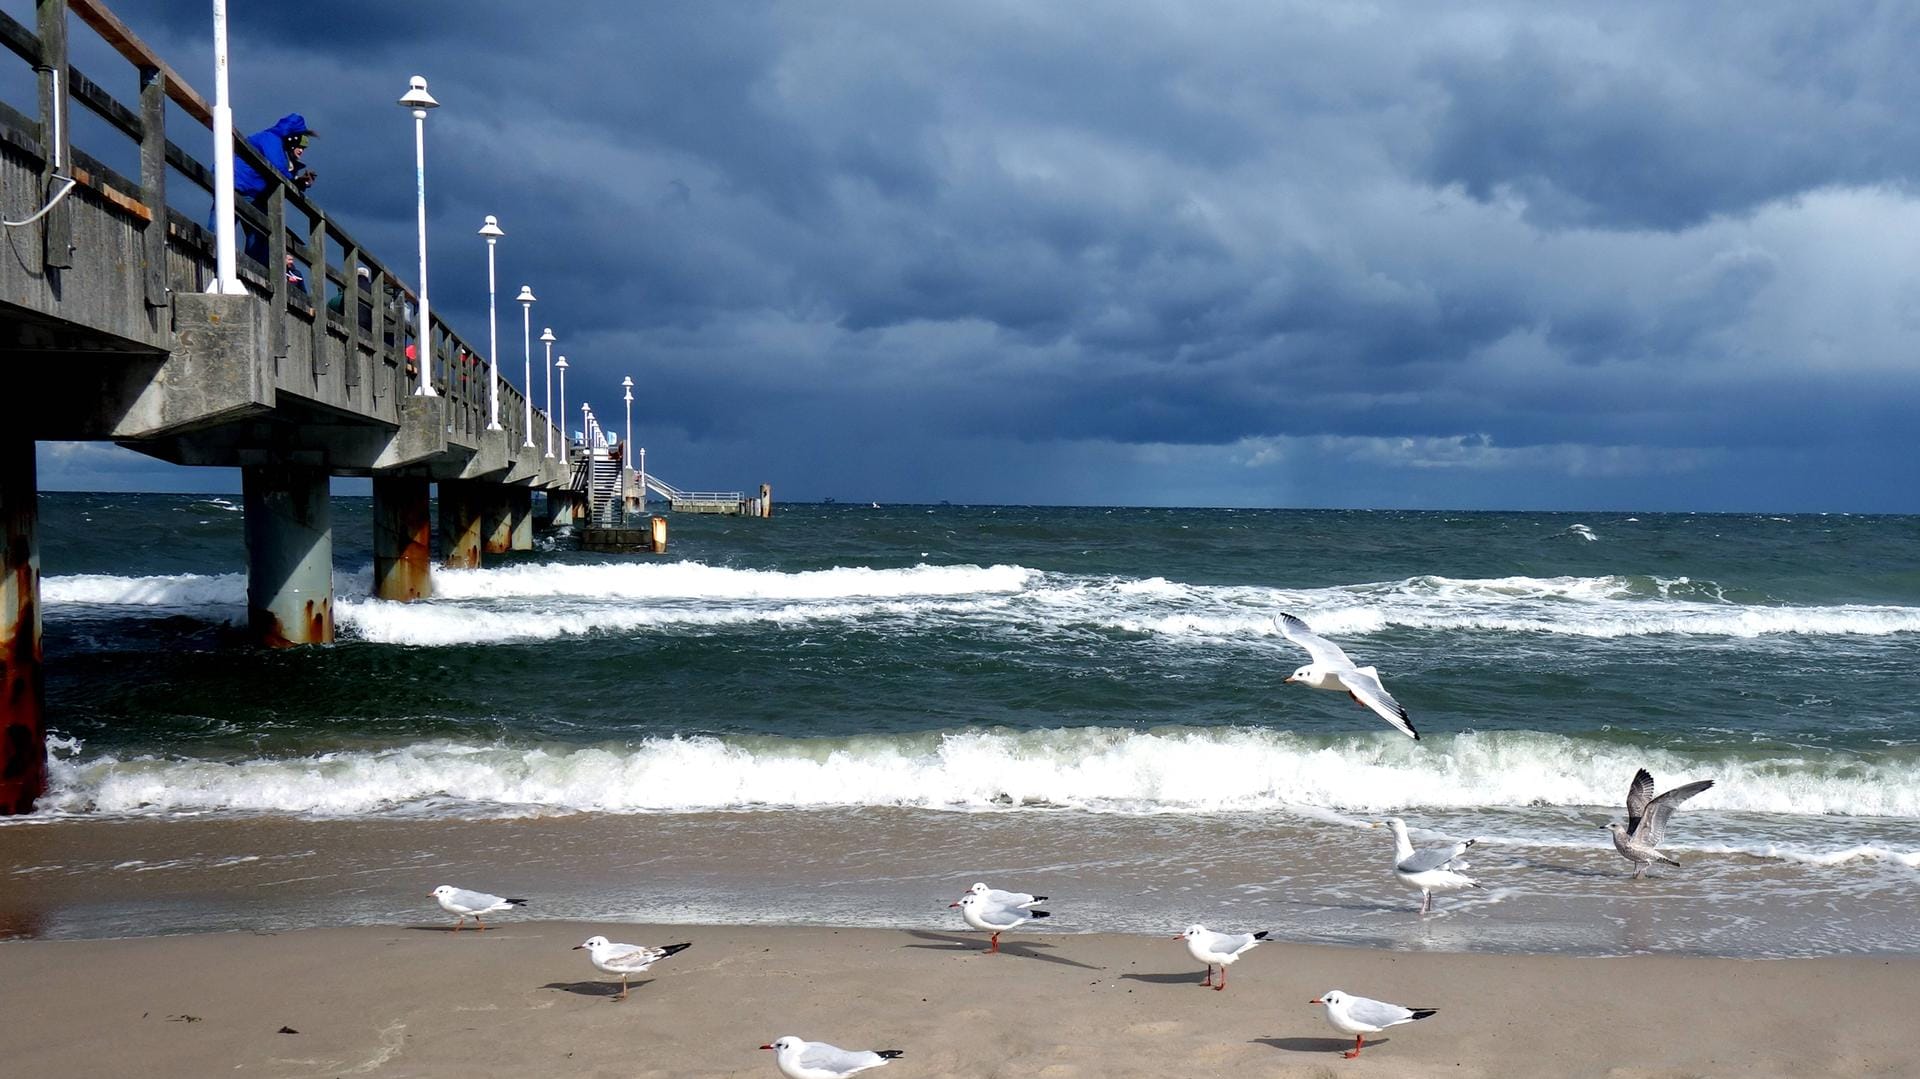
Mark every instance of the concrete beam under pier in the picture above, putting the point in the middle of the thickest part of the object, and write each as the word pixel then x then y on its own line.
pixel 23 718
pixel 289 527
pixel 402 538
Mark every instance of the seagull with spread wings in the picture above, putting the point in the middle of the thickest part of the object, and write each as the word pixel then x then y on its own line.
pixel 1647 821
pixel 1331 669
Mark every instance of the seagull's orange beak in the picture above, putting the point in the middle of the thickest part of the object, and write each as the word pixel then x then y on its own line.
pixel 1287 679
pixel 577 947
pixel 950 906
pixel 766 1047
pixel 1179 936
pixel 1316 1000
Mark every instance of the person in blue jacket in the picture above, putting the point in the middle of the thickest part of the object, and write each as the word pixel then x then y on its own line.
pixel 284 145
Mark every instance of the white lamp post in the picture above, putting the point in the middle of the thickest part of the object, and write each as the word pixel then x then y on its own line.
pixel 546 334
pixel 491 230
pixel 417 99
pixel 643 479
pixel 626 453
pixel 560 365
pixel 225 279
pixel 527 301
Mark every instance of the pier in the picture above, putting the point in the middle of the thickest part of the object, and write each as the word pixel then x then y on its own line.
pixel 108 332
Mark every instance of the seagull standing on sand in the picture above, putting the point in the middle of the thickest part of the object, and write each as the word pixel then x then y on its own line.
pixel 998 898
pixel 1331 669
pixel 1361 1016
pixel 625 960
pixel 1647 821
pixel 1431 871
pixel 463 902
pixel 995 918
pixel 1218 949
pixel 798 1058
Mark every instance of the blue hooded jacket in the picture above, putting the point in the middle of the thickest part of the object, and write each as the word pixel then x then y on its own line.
pixel 246 182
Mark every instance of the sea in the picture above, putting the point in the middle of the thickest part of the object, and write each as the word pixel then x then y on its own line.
pixel 845 714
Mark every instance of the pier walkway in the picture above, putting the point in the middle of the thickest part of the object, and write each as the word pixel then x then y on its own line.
pixel 108 333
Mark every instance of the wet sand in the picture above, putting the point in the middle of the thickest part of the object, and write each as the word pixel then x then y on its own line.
pixel 1308 882
pixel 417 1000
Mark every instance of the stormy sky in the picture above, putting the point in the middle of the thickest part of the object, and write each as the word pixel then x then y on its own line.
pixel 1491 255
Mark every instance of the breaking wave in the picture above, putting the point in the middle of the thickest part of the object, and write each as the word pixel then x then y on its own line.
pixel 1172 770
pixel 552 600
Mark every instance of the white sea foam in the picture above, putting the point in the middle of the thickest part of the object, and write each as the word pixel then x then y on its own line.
pixel 694 580
pixel 182 590
pixel 552 600
pixel 1176 770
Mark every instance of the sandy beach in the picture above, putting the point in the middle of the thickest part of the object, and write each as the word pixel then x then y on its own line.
pixel 416 1000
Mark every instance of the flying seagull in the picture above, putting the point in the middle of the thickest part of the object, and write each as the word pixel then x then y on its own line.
pixel 1331 669
pixel 1360 1016
pixel 1647 821
pixel 1436 870
pixel 1218 949
pixel 463 902
pixel 625 960
pixel 798 1058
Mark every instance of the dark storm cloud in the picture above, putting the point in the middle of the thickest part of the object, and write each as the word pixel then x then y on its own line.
pixel 1253 253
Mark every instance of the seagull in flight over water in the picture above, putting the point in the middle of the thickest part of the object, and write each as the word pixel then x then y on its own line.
pixel 1647 821
pixel 1331 669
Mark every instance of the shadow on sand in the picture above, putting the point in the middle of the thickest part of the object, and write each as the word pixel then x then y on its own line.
pixel 1020 949
pixel 1316 1045
pixel 610 990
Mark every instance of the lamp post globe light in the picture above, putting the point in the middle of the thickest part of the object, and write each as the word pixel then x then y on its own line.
pixel 527 301
pixel 560 365
pixel 417 99
pixel 626 440
pixel 491 230
pixel 546 334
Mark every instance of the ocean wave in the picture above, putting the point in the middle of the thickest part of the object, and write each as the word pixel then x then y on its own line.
pixel 1173 770
pixel 173 591
pixel 551 600
pixel 695 580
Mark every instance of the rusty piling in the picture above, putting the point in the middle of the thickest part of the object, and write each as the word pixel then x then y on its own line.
pixel 496 518
pixel 459 524
pixel 23 715
pixel 289 530
pixel 402 538
pixel 520 500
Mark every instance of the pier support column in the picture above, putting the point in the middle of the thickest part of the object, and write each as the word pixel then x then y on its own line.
pixel 496 518
pixel 23 715
pixel 402 539
pixel 559 508
pixel 520 501
pixel 289 554
pixel 459 525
